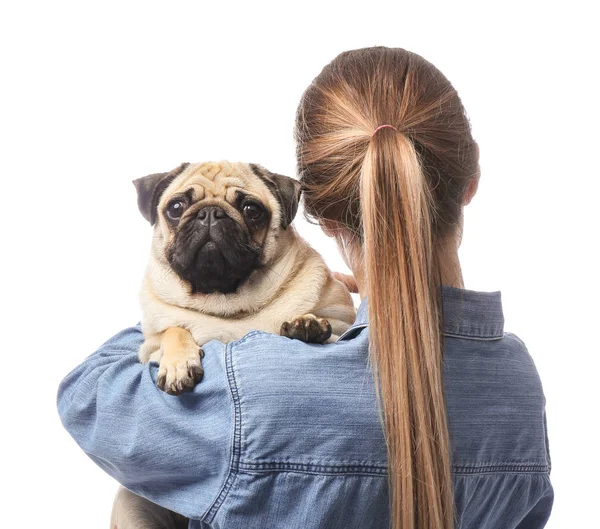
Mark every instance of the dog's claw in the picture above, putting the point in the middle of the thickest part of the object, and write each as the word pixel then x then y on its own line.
pixel 176 378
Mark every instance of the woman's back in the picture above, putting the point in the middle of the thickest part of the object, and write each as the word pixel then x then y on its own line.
pixel 311 448
pixel 285 434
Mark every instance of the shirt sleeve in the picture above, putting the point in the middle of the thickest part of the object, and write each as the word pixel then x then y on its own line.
pixel 539 513
pixel 173 450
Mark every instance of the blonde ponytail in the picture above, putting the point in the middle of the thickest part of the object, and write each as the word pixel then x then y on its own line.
pixel 396 195
pixel 405 342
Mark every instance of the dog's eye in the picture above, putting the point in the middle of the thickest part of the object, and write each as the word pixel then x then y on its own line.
pixel 252 211
pixel 175 209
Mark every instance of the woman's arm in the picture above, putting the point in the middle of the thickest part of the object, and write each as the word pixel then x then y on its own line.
pixel 172 450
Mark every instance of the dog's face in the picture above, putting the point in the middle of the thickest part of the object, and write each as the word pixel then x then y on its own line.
pixel 216 223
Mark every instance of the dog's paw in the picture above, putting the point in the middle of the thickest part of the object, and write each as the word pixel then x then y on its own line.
pixel 307 328
pixel 180 374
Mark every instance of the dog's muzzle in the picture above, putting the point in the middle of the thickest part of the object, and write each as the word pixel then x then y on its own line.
pixel 213 252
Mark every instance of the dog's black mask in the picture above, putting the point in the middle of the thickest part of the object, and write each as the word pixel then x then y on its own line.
pixel 213 252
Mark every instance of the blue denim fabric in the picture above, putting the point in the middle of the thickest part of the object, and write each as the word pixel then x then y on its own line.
pixel 282 434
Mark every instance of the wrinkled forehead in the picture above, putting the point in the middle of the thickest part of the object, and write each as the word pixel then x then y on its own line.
pixel 219 180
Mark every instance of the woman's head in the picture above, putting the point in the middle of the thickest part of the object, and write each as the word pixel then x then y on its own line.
pixel 394 199
pixel 361 90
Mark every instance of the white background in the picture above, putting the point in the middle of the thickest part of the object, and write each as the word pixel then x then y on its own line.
pixel 95 94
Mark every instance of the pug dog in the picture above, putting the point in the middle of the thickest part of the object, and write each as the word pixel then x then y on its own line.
pixel 224 260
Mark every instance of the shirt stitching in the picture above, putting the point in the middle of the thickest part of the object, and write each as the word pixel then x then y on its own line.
pixel 313 468
pixel 329 469
pixel 236 438
pixel 498 469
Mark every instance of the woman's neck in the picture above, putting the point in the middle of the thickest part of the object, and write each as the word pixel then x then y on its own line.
pixel 451 271
pixel 450 265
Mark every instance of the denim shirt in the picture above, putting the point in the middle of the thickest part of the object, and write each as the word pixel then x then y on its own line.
pixel 282 435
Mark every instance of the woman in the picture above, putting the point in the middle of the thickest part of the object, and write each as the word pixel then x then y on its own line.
pixel 425 414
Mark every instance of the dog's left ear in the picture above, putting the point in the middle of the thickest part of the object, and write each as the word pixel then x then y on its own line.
pixel 286 190
pixel 150 188
pixel 288 194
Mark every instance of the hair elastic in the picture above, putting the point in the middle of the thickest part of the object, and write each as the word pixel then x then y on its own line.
pixel 384 127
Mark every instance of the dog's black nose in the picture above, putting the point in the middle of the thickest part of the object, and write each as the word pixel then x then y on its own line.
pixel 211 215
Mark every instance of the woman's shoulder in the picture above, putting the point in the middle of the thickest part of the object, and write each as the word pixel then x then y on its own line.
pixel 309 405
pixel 311 410
pixel 317 403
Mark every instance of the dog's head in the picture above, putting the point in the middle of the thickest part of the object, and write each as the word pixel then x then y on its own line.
pixel 215 223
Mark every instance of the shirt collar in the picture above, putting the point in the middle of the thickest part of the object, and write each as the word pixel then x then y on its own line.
pixel 467 313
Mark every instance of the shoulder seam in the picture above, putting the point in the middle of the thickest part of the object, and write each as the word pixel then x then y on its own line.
pixel 211 512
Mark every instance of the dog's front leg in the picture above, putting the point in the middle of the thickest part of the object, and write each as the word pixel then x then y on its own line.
pixel 180 366
pixel 150 350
